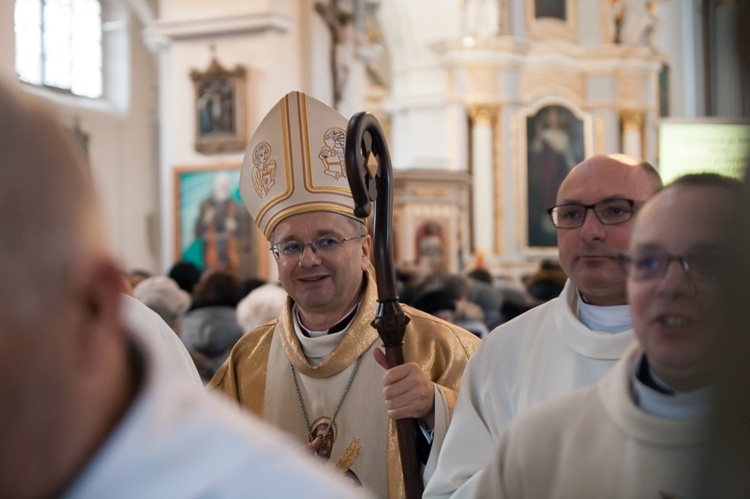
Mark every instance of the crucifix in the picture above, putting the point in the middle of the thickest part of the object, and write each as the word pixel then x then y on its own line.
pixel 337 20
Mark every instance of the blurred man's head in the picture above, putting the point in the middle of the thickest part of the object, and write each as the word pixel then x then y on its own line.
pixel 675 258
pixel 162 295
pixel 593 216
pixel 61 341
pixel 261 305
pixel 47 209
pixel 186 275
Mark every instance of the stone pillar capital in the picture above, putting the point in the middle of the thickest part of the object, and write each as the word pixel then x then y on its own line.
pixel 482 114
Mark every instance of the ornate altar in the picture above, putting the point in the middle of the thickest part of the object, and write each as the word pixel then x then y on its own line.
pixel 431 219
pixel 550 86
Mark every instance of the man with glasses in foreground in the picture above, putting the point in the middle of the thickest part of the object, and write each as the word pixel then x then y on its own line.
pixel 567 343
pixel 642 430
pixel 317 372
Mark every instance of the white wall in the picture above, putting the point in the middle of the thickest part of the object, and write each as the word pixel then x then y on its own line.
pixel 7 42
pixel 121 128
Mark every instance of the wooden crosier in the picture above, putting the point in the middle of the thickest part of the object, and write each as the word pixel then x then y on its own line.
pixel 364 136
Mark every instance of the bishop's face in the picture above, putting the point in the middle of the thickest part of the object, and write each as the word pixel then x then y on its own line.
pixel 324 285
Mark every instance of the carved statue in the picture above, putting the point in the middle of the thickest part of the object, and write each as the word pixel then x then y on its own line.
pixel 481 18
pixel 635 22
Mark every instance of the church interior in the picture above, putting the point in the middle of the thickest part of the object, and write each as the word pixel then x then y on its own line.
pixel 485 106
pixel 489 108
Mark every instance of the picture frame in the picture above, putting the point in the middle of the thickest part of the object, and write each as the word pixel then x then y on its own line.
pixel 557 139
pixel 547 19
pixel 554 9
pixel 212 227
pixel 220 109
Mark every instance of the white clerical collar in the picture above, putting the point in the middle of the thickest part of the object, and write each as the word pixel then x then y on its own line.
pixel 336 328
pixel 675 405
pixel 611 319
pixel 319 344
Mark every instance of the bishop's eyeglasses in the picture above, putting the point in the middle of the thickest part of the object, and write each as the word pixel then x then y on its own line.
pixel 609 212
pixel 321 246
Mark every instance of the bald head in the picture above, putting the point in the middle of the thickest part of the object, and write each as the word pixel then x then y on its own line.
pixel 60 326
pixel 621 162
pixel 589 254
pixel 47 210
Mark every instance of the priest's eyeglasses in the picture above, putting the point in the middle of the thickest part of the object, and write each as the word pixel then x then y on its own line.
pixel 609 212
pixel 326 245
pixel 651 265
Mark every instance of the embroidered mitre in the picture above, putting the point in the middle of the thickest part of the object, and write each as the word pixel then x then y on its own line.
pixel 295 163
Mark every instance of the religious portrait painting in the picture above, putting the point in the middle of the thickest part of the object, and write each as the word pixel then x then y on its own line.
pixel 212 226
pixel 554 145
pixel 219 109
pixel 556 19
pixel 555 9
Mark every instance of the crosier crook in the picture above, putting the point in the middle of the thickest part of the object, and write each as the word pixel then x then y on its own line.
pixel 364 136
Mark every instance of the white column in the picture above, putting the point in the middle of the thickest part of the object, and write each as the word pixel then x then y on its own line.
pixel 483 118
pixel 632 133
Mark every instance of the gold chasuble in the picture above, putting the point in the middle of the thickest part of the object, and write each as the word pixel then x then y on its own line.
pixel 362 441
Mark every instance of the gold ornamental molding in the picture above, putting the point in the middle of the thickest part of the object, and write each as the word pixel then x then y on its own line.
pixel 499 170
pixel 599 135
pixel 482 114
pixel 632 119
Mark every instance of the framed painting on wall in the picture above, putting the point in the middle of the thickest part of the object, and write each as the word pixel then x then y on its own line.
pixel 547 19
pixel 555 9
pixel 554 144
pixel 219 109
pixel 212 226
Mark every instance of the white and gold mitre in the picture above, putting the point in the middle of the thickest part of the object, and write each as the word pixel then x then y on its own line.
pixel 295 163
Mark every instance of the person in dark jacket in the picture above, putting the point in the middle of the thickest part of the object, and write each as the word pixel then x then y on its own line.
pixel 211 327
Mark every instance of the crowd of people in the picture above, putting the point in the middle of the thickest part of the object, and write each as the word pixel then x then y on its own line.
pixel 208 310
pixel 592 377
pixel 477 300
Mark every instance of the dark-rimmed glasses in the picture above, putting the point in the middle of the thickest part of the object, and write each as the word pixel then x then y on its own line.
pixel 289 250
pixel 609 212
pixel 650 265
